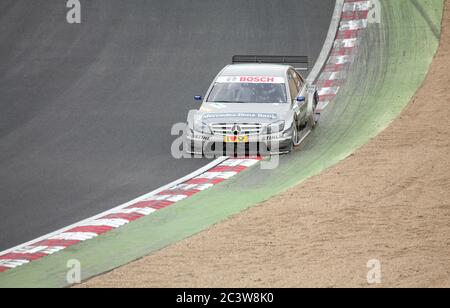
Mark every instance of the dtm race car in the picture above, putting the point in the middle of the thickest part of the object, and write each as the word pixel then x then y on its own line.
pixel 257 102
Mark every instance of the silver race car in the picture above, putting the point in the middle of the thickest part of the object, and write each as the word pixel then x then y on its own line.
pixel 259 104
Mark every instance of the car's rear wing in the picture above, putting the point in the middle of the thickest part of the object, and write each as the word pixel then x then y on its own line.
pixel 299 62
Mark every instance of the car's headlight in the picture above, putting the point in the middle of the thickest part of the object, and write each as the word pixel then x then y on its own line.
pixel 201 127
pixel 274 127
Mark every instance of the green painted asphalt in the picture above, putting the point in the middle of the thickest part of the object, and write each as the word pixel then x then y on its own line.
pixel 391 65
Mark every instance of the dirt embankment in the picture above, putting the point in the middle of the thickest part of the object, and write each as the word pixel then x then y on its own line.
pixel 389 201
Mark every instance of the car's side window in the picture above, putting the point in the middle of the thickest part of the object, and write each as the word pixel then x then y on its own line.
pixel 299 80
pixel 293 85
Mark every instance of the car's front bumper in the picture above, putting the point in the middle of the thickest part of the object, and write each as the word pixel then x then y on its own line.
pixel 262 144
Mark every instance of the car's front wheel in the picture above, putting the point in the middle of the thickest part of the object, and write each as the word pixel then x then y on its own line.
pixel 296 138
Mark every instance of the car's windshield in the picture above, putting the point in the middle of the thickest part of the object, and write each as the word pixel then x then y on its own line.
pixel 251 92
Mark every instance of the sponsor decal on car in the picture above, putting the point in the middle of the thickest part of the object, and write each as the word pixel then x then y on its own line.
pixel 236 139
pixel 250 79
pixel 202 137
pixel 253 115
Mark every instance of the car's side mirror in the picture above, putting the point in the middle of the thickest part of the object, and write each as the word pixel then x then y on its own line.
pixel 301 99
pixel 198 97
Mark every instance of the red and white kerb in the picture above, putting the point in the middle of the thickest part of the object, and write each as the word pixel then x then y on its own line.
pixel 117 218
pixel 353 22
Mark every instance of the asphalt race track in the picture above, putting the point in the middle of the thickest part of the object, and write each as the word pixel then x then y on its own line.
pixel 87 109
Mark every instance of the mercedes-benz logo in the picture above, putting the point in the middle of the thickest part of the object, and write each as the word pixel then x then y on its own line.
pixel 236 130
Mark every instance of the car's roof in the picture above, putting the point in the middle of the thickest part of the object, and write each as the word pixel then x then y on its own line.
pixel 255 69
